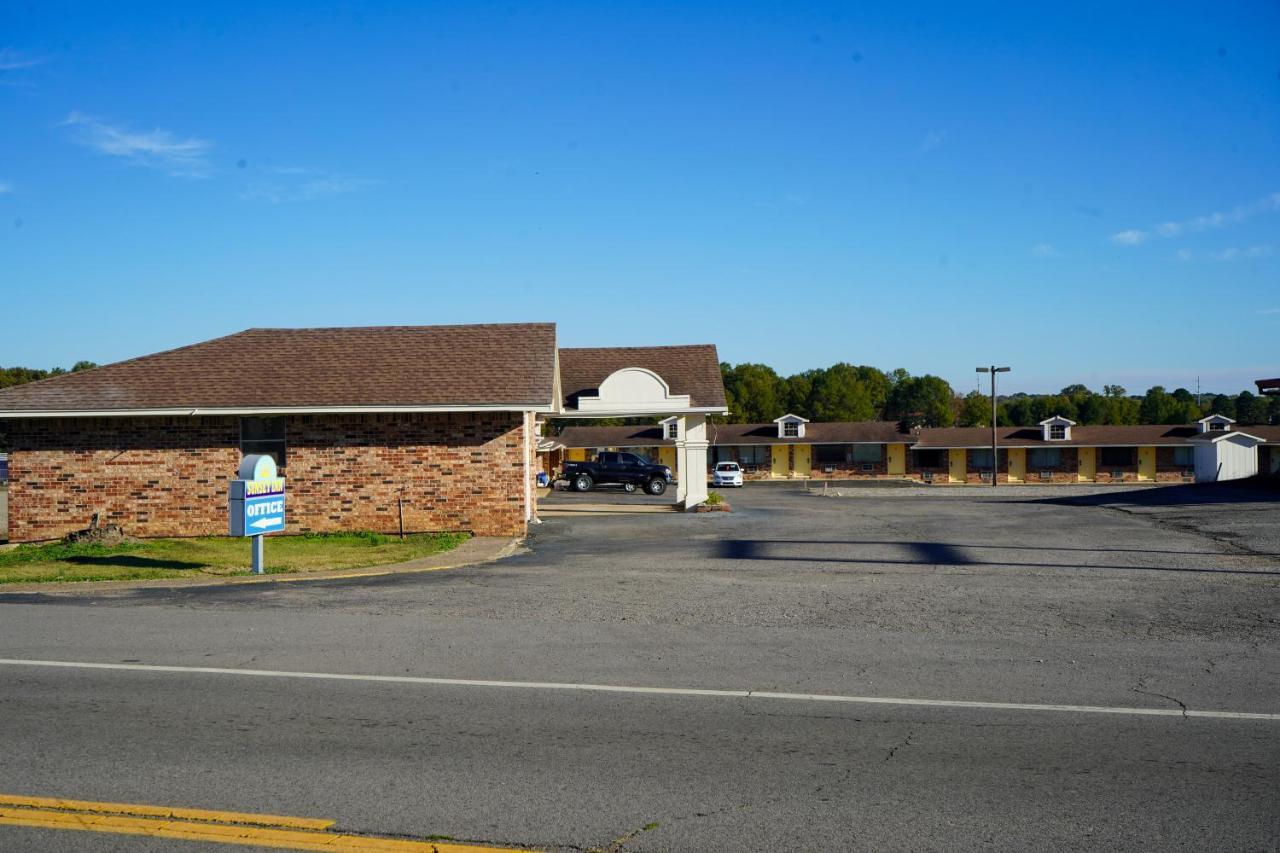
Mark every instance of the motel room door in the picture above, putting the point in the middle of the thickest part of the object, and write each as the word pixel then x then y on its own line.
pixel 1088 464
pixel 803 460
pixel 957 466
pixel 897 460
pixel 1017 464
pixel 780 460
pixel 1146 463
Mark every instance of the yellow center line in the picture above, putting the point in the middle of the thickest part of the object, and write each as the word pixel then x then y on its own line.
pixel 165 811
pixel 218 827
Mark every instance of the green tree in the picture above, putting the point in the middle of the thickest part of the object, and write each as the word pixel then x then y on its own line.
pixel 1114 391
pixel 921 401
pixel 83 365
pixel 1251 409
pixel 840 393
pixel 1223 405
pixel 975 410
pixel 797 393
pixel 754 391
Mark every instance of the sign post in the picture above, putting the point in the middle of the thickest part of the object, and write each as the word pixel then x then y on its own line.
pixel 256 503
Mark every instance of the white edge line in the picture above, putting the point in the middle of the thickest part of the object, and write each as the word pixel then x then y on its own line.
pixel 663 691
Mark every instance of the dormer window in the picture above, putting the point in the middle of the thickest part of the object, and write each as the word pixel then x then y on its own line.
pixel 790 426
pixel 1056 428
pixel 673 430
pixel 1215 423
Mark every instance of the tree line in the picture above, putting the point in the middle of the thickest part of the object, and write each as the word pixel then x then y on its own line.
pixel 846 392
pixel 20 375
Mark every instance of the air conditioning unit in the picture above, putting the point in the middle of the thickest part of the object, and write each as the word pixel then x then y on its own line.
pixel 986 476
pixel 1117 475
pixel 830 469
pixel 1046 476
pixel 927 476
pixel 868 468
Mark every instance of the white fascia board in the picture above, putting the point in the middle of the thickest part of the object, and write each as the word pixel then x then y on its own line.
pixel 636 413
pixel 267 410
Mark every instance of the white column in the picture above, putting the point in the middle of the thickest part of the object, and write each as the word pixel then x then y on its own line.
pixel 692 458
pixel 682 463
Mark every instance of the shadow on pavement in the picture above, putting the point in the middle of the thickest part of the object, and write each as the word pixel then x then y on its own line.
pixel 937 554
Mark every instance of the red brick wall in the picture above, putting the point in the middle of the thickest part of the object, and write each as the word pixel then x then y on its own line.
pixel 168 476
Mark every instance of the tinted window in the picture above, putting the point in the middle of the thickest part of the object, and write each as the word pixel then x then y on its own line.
pixel 1115 456
pixel 263 436
pixel 928 458
pixel 1044 457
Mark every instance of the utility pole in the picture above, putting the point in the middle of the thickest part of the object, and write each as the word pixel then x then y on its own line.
pixel 995 444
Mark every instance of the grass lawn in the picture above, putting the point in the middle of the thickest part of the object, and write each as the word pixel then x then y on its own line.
pixel 213 555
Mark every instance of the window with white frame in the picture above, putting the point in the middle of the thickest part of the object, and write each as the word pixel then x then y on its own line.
pixel 1057 432
pixel 790 429
pixel 673 430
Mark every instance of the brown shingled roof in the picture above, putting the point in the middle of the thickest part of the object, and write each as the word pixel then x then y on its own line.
pixel 499 365
pixel 869 432
pixel 692 370
pixel 1081 436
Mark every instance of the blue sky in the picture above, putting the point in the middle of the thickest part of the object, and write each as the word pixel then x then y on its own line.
pixel 1085 192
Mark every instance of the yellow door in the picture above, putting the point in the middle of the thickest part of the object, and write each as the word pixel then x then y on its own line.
pixel 1088 470
pixel 577 454
pixel 958 466
pixel 781 462
pixel 897 454
pixel 1017 464
pixel 804 456
pixel 1146 463
pixel 667 456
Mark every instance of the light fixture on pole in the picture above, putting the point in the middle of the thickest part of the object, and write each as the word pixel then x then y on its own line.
pixel 995 452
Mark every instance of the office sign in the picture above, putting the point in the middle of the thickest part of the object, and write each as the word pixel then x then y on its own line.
pixel 257 499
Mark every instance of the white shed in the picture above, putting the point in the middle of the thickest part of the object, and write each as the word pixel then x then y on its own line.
pixel 1225 454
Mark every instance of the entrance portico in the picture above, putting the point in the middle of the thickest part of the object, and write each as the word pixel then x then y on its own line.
pixel 681 383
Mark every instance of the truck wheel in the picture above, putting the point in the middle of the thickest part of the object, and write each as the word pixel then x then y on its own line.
pixel 656 486
pixel 628 487
pixel 582 483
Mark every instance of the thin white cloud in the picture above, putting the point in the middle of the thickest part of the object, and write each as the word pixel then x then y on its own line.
pixel 1227 255
pixel 12 60
pixel 5 188
pixel 1250 253
pixel 1044 250
pixel 1132 237
pixel 306 185
pixel 334 185
pixel 156 149
pixel 1267 311
pixel 1208 222
pixel 932 140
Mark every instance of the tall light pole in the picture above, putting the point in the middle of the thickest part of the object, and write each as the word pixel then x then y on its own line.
pixel 995 452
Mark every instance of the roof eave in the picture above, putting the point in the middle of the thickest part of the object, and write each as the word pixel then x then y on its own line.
pixel 214 411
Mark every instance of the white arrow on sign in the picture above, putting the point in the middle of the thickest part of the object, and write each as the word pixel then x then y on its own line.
pixel 266 522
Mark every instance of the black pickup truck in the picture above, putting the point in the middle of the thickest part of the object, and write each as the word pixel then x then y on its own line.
pixel 625 469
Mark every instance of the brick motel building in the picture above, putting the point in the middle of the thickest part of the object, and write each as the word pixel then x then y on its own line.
pixel 437 422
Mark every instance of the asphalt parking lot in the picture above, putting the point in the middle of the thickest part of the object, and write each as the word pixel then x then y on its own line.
pixel 1112 599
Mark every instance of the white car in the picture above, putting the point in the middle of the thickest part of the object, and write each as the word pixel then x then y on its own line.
pixel 727 474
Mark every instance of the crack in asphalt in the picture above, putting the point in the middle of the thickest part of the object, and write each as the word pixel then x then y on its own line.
pixel 905 743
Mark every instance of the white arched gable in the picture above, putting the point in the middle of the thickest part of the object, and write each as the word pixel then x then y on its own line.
pixel 633 389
